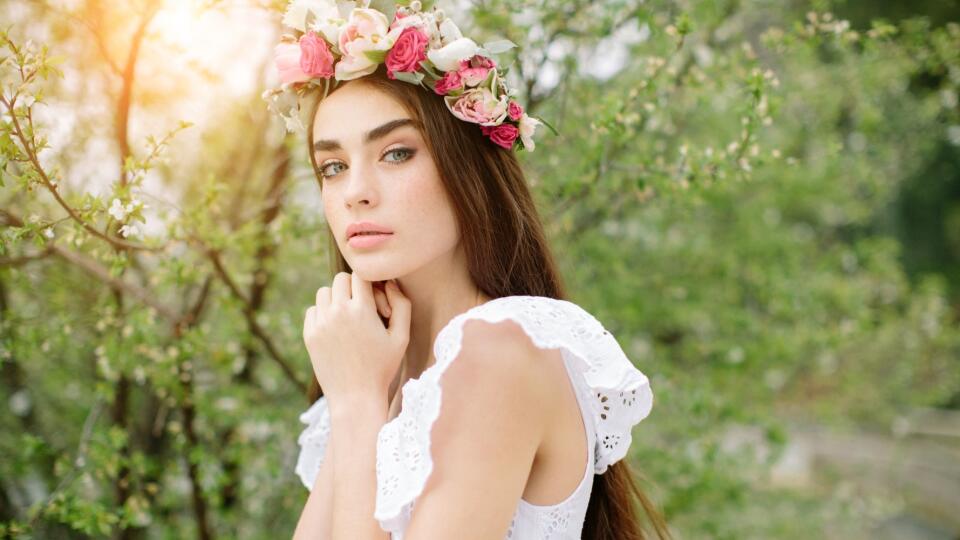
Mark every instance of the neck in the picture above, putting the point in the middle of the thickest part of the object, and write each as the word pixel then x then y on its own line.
pixel 438 292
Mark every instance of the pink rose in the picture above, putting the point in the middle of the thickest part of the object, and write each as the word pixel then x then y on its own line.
pixel 450 81
pixel 478 105
pixel 407 52
pixel 286 56
pixel 503 135
pixel 514 110
pixel 316 59
pixel 474 70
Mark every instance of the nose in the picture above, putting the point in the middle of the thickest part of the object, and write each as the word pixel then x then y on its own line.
pixel 361 188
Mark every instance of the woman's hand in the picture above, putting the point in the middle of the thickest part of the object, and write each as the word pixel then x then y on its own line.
pixel 352 353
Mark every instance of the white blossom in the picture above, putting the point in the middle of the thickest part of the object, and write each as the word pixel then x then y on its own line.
pixel 117 210
pixel 130 229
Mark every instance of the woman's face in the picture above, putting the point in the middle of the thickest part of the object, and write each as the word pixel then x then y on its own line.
pixel 378 170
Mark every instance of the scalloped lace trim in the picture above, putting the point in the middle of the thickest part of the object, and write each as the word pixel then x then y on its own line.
pixel 313 441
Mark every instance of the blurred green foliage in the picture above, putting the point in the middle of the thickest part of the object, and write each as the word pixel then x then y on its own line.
pixel 759 200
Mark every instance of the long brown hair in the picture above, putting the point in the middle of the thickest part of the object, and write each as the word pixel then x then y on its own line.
pixel 507 254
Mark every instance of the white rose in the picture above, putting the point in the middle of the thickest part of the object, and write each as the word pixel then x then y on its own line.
pixel 297 11
pixel 448 57
pixel 528 125
pixel 364 42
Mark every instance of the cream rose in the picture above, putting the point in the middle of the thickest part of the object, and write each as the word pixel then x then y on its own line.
pixel 478 105
pixel 363 42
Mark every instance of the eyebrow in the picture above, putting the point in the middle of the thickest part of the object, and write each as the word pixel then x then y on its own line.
pixel 372 135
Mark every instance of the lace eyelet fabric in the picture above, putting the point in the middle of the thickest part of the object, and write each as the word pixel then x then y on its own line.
pixel 612 393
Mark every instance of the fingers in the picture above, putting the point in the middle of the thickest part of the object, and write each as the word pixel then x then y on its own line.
pixel 308 319
pixel 323 297
pixel 400 304
pixel 361 289
pixel 383 305
pixel 340 290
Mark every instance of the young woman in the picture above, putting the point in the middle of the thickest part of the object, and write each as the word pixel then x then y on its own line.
pixel 462 396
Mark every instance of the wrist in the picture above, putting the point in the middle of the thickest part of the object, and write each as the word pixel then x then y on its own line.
pixel 358 406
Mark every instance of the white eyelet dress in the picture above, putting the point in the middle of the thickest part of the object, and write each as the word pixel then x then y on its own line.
pixel 612 393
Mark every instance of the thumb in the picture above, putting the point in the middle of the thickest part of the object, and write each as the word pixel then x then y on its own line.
pixel 400 307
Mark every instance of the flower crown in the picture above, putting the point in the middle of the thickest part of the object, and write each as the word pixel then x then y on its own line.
pixel 343 40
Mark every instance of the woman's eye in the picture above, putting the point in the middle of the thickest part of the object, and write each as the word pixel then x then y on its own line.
pixel 406 153
pixel 325 170
pixel 403 151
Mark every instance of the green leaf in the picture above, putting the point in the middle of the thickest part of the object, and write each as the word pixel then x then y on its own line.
pixel 387 7
pixel 410 77
pixel 498 46
pixel 684 25
pixel 376 57
pixel 555 132
pixel 429 68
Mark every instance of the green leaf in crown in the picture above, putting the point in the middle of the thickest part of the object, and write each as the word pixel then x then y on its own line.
pixel 386 7
pixel 376 57
pixel 410 77
pixel 498 46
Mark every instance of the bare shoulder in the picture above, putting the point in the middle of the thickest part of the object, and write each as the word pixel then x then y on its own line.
pixel 502 354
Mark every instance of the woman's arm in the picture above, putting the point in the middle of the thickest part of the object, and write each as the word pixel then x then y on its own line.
pixel 355 489
pixel 495 405
pixel 354 429
pixel 315 519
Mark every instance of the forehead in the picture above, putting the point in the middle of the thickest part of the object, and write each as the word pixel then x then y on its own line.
pixel 352 110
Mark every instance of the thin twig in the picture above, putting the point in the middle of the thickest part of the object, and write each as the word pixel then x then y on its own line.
pixel 79 461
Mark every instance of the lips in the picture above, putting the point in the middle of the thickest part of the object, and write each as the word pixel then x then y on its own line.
pixel 366 228
pixel 368 240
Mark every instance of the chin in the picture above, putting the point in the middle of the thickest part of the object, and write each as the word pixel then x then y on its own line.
pixel 372 273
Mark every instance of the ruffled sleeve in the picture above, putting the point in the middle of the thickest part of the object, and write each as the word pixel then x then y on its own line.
pixel 313 441
pixel 620 395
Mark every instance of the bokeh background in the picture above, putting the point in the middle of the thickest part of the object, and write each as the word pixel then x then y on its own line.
pixel 760 199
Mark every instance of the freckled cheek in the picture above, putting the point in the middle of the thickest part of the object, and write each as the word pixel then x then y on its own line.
pixel 331 213
pixel 423 204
